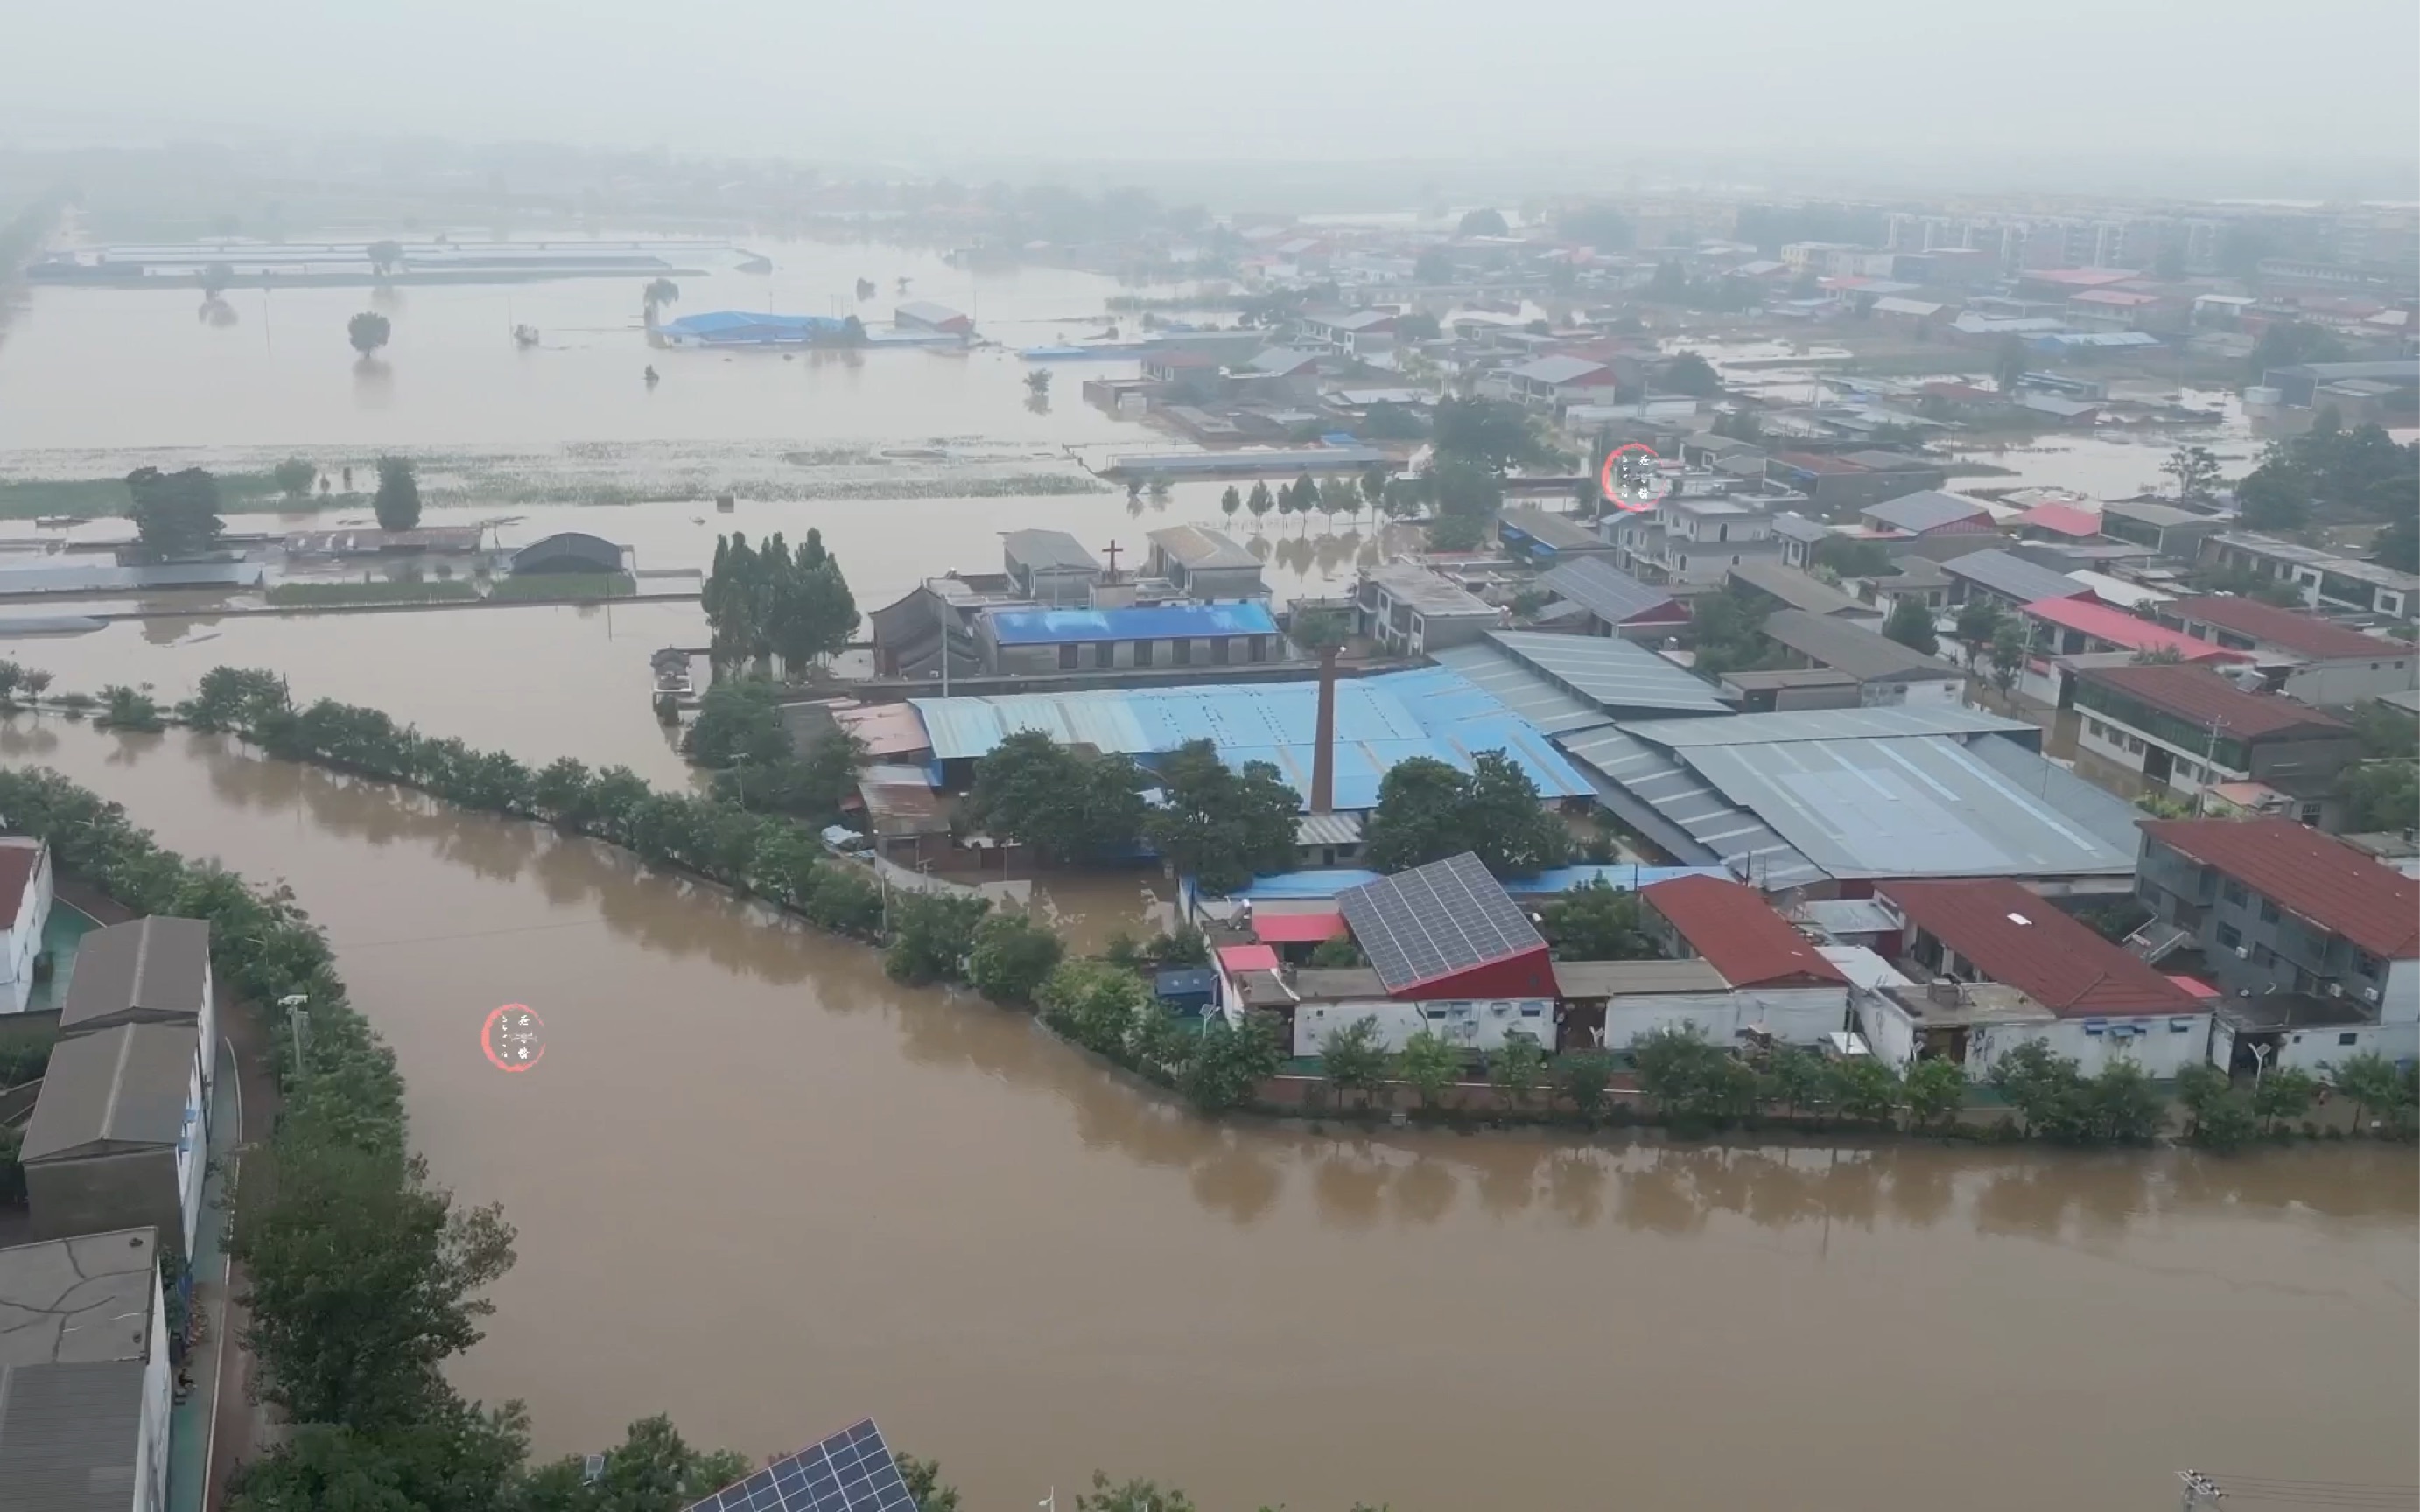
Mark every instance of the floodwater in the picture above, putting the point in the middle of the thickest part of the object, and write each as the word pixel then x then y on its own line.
pixel 763 1188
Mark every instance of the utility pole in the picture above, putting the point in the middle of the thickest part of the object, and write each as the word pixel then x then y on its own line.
pixel 2200 1491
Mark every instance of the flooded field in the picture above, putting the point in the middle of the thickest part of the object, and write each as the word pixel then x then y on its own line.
pixel 799 1192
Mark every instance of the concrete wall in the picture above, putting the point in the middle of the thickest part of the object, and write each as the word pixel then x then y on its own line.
pixel 2394 670
pixel 102 1192
pixel 1940 693
pixel 1793 1015
pixel 1030 659
pixel 2249 951
pixel 151 1433
pixel 1478 1025
pixel 24 940
pixel 1889 1031
pixel 2166 1044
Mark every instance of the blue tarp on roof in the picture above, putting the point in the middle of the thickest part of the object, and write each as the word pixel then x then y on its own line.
pixel 741 326
pixel 1625 878
pixel 1311 884
pixel 1164 622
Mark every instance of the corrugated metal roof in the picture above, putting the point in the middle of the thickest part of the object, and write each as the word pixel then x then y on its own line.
pixel 1624 979
pixel 1854 650
pixel 1055 551
pixel 1162 622
pixel 2271 625
pixel 75 1337
pixel 1519 689
pixel 2318 876
pixel 1557 533
pixel 1311 884
pixel 1610 673
pixel 1622 877
pixel 2128 632
pixel 2012 576
pixel 1606 591
pixel 121 1089
pixel 1929 510
pixel 2015 936
pixel 1201 549
pixel 1328 829
pixel 1737 933
pixel 150 970
pixel 1562 370
pixel 1798 591
pixel 1826 724
pixel 1915 806
pixel 2203 697
pixel 1660 797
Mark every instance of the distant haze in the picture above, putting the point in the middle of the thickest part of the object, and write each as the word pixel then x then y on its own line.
pixel 2230 96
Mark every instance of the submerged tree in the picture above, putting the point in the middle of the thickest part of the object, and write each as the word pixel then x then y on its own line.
pixel 398 500
pixel 368 332
pixel 175 514
pixel 659 293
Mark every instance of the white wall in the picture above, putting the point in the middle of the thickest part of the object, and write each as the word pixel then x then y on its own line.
pixel 1474 1025
pixel 1793 1015
pixel 2321 1051
pixel 1889 1031
pixel 2400 1001
pixel 24 940
pixel 2394 669
pixel 1943 693
pixel 151 1431
pixel 2162 1049
pixel 207 1052
pixel 192 1158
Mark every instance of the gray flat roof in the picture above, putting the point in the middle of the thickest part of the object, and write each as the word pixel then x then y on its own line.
pixel 1789 726
pixel 1610 673
pixel 1799 591
pixel 1620 978
pixel 75 1337
pixel 1332 982
pixel 2011 575
pixel 1657 793
pixel 1054 550
pixel 1560 531
pixel 1854 650
pixel 112 1090
pixel 1603 589
pixel 1201 549
pixel 1916 513
pixel 150 970
pixel 1429 593
pixel 1534 698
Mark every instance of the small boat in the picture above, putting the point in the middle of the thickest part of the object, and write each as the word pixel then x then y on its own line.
pixel 524 335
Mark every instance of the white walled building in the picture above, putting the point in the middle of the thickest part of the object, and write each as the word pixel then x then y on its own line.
pixel 85 1388
pixel 25 896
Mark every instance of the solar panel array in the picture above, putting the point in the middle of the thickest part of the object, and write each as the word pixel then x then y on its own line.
pixel 1446 917
pixel 849 1471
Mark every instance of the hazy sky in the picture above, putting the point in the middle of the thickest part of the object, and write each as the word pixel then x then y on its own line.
pixel 1885 81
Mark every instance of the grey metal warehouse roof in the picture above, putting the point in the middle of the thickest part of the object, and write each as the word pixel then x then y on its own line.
pixel 1054 549
pixel 1657 793
pixel 75 1333
pixel 151 970
pixel 115 1091
pixel 1854 650
pixel 1833 724
pixel 1526 693
pixel 1201 549
pixel 1925 807
pixel 1603 589
pixel 1611 673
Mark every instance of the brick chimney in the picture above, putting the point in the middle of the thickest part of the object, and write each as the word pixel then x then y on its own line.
pixel 1322 756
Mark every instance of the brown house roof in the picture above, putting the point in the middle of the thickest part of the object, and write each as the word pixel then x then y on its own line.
pixel 2316 876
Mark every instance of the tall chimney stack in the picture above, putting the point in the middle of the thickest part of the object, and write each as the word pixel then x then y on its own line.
pixel 1322 756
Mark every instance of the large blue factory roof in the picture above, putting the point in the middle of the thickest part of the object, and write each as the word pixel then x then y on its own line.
pixel 1379 722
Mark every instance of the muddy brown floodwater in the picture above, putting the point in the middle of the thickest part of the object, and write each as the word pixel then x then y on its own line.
pixel 761 1187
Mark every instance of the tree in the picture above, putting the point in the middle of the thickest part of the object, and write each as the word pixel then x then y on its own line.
pixel 659 293
pixel 1094 1003
pixel 2274 496
pixel 1728 627
pixel 1221 826
pixel 2042 1086
pixel 1013 957
pixel 386 256
pixel 1935 1090
pixel 1583 1078
pixel 368 332
pixel 2289 344
pixel 1517 1069
pixel 1692 375
pixel 2009 364
pixel 2120 1105
pixel 737 721
pixel 1863 1088
pixel 771 600
pixel 364 1281
pixel 1230 502
pixel 2370 1082
pixel 1417 326
pixel 2194 473
pixel 1598 921
pixel 1482 221
pixel 652 1469
pixel 1979 623
pixel 1428 810
pixel 1490 434
pixel 398 502
pixel 1259 503
pixel 1911 626
pixel 1066 806
pixel 1353 1060
pixel 1229 1062
pixel 294 477
pixel 176 513
pixel 1848 557
pixel 2287 1092
pixel 2381 796
pixel 2010 648
pixel 1429 1066
pixel 1132 1496
pixel 925 1487
pixel 1679 1071
pixel 1798 1078
pixel 932 934
pixel 1432 265
pixel 452 1455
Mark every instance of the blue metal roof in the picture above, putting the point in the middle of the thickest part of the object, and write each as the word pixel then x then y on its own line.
pixel 747 325
pixel 1627 878
pixel 1379 722
pixel 1165 621
pixel 1313 884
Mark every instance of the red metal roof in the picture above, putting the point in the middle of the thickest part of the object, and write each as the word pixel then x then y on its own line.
pixel 2012 935
pixel 2127 632
pixel 1738 933
pixel 2318 876
pixel 1237 958
pixel 2064 519
pixel 2203 697
pixel 1288 928
pixel 2271 625
pixel 1822 466
pixel 16 871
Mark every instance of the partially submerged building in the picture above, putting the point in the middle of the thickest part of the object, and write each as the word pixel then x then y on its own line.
pixel 1235 634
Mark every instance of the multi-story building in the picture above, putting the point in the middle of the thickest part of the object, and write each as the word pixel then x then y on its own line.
pixel 1695 538
pixel 2279 909
pixel 2324 579
pixel 2300 656
pixel 2181 729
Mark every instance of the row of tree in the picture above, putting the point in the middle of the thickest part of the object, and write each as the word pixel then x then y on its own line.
pixel 771 601
pixel 1222 824
pixel 2333 474
pixel 176 515
pixel 363 1278
pixel 2222 1115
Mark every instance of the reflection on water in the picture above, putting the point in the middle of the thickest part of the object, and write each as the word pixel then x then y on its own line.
pixel 798 1190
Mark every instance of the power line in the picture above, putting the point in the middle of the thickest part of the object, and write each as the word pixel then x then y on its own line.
pixel 2211 1488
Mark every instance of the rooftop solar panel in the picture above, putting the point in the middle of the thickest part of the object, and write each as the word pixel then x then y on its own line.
pixel 850 1471
pixel 1437 920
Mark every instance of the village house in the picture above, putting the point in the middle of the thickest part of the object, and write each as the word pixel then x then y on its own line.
pixel 118 1137
pixel 1347 333
pixel 1695 538
pixel 2178 729
pixel 2007 578
pixel 1159 634
pixel 1931 512
pixel 1885 673
pixel 1611 601
pixel 1839 483
pixel 85 1374
pixel 1406 607
pixel 1546 539
pixel 2177 534
pixel 1556 383
pixel 2299 654
pixel 1787 588
pixel 1204 564
pixel 1049 566
pixel 1998 965
pixel 2279 910
pixel 2324 579
pixel 26 898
